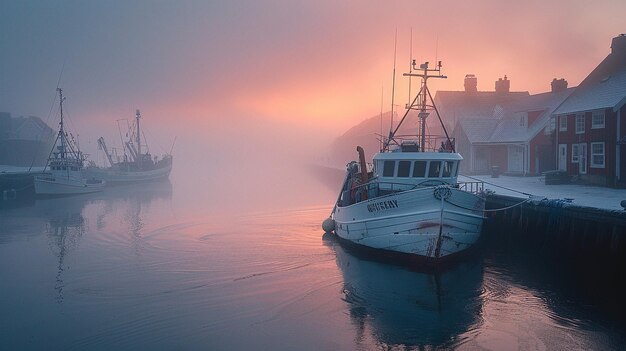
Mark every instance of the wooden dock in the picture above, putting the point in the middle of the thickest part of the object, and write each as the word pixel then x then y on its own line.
pixel 560 229
pixel 17 186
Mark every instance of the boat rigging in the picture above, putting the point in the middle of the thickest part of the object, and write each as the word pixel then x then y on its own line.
pixel 424 103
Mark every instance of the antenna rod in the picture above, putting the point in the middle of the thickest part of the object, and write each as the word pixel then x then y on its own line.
pixel 393 81
pixel 410 62
pixel 382 93
pixel 172 148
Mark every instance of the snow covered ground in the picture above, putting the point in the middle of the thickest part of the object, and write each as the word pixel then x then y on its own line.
pixel 582 195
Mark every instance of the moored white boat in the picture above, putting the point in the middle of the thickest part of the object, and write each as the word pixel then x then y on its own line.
pixel 134 165
pixel 52 184
pixel 410 202
pixel 64 170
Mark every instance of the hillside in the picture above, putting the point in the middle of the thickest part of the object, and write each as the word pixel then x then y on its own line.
pixel 366 134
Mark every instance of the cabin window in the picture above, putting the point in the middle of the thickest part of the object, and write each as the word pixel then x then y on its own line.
pixel 597 155
pixel 447 169
pixel 580 123
pixel 419 169
pixel 597 120
pixel 388 168
pixel 457 165
pixel 403 168
pixel 433 170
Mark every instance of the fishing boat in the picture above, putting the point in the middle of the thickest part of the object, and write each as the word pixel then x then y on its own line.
pixel 63 173
pixel 136 164
pixel 409 200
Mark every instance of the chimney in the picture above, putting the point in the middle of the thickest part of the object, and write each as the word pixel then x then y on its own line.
pixel 503 85
pixel 471 83
pixel 618 45
pixel 558 85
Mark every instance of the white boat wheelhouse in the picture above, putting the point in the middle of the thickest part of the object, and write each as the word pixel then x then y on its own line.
pixel 416 168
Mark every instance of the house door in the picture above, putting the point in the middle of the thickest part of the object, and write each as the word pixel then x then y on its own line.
pixel 582 158
pixel 515 159
pixel 562 157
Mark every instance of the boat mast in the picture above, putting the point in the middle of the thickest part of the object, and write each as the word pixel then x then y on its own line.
pixel 138 138
pixel 420 103
pixel 61 129
pixel 104 148
pixel 424 94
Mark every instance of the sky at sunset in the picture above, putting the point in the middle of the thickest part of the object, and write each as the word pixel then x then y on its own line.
pixel 315 66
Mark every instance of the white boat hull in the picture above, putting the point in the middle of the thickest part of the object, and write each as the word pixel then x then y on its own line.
pixel 114 176
pixel 414 222
pixel 51 185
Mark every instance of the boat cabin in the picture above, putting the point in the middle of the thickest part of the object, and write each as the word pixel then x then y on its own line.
pixel 399 171
pixel 395 169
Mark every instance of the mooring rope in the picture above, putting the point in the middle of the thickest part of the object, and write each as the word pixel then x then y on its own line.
pixel 490 210
pixel 499 186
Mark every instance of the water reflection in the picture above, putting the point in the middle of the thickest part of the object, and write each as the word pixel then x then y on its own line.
pixel 132 198
pixel 65 220
pixel 402 307
pixel 64 228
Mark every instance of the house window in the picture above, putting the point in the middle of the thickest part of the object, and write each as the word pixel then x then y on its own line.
pixel 523 119
pixel 403 168
pixel 580 123
pixel 388 168
pixel 552 126
pixel 574 153
pixel 597 155
pixel 597 120
pixel 562 123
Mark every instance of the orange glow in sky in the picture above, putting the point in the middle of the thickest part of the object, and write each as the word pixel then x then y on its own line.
pixel 318 64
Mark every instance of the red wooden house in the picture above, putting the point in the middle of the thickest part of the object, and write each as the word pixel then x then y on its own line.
pixel 591 127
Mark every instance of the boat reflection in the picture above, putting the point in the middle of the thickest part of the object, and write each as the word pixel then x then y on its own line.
pixel 398 306
pixel 64 228
pixel 65 221
pixel 132 199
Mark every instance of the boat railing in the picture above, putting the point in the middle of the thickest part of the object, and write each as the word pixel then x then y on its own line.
pixel 474 187
pixel 434 143
pixel 370 190
pixel 375 189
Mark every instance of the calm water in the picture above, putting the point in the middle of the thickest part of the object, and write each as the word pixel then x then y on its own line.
pixel 168 267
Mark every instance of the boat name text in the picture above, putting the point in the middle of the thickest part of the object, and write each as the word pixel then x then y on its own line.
pixel 383 205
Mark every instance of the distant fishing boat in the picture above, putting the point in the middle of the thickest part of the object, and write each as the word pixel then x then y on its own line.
pixel 134 165
pixel 410 201
pixel 63 174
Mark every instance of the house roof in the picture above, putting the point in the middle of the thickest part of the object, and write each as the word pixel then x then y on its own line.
pixel 460 104
pixel 29 128
pixel 478 130
pixel 604 87
pixel 509 128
